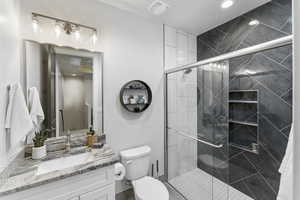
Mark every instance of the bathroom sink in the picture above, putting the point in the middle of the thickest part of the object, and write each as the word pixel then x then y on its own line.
pixel 64 163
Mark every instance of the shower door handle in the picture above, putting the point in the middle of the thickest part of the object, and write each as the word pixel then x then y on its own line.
pixel 199 140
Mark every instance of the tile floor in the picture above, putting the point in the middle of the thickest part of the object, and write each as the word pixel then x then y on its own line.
pixel 197 183
pixel 129 195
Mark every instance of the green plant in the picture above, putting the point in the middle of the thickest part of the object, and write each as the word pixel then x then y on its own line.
pixel 40 138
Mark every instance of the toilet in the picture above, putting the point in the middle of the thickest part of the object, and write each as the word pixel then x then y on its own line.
pixel 136 162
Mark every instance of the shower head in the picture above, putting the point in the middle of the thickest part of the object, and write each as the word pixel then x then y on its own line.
pixel 187 71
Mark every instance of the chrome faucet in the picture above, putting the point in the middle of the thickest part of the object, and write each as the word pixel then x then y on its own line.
pixel 68 144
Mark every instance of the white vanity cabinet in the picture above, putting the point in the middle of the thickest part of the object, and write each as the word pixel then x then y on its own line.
pixel 97 184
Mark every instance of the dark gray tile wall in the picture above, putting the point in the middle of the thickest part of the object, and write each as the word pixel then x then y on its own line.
pixel 270 73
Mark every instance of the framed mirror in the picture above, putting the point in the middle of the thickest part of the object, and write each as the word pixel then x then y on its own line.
pixel 136 96
pixel 69 83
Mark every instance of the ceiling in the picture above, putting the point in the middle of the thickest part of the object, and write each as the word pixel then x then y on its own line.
pixel 194 16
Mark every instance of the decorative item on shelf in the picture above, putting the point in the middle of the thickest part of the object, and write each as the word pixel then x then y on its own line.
pixel 39 149
pixel 136 96
pixel 91 137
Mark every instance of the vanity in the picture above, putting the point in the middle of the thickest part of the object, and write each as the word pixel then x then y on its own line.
pixel 68 82
pixel 83 176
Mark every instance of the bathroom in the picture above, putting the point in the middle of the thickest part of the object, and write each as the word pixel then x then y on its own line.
pixel 149 99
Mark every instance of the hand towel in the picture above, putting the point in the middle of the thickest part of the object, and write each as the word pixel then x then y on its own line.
pixel 286 170
pixel 35 108
pixel 17 121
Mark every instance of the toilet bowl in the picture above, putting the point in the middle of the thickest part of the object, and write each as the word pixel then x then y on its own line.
pixel 136 162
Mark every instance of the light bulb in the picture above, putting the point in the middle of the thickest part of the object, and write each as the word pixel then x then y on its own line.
pixel 77 34
pixel 254 22
pixel 94 37
pixel 227 3
pixel 57 29
pixel 35 24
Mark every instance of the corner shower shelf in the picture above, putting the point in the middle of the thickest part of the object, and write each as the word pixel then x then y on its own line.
pixel 248 149
pixel 242 101
pixel 244 120
pixel 243 123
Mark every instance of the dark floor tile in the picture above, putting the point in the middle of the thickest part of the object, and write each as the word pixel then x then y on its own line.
pixel 267 166
pixel 272 139
pixel 239 168
pixel 259 188
pixel 262 34
pixel 270 14
pixel 273 75
pixel 279 54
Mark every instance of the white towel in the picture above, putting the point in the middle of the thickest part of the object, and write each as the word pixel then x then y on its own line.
pixel 17 121
pixel 35 108
pixel 286 170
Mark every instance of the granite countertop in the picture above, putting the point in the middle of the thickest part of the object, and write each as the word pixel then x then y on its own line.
pixel 27 175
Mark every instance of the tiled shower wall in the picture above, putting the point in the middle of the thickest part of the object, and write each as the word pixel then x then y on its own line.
pixel 180 49
pixel 270 73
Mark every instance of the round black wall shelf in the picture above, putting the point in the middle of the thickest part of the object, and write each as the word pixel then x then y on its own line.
pixel 136 96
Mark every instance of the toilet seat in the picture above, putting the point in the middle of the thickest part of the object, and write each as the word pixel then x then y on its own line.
pixel 148 188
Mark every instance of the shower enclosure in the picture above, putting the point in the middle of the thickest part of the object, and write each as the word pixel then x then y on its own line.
pixel 218 135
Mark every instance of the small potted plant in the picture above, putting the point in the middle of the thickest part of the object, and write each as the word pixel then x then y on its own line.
pixel 39 148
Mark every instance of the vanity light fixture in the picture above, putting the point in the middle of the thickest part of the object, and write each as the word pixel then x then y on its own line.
pixel 94 37
pixel 35 23
pixel 227 4
pixel 57 29
pixel 254 22
pixel 77 33
pixel 60 25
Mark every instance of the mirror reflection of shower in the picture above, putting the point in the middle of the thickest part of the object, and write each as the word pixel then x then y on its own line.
pixel 74 93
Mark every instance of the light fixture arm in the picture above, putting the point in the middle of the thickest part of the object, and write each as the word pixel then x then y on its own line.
pixel 35 15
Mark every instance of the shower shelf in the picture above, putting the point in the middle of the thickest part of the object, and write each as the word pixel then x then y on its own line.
pixel 244 120
pixel 242 101
pixel 243 123
pixel 245 148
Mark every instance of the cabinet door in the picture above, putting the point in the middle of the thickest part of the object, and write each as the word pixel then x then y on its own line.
pixel 105 193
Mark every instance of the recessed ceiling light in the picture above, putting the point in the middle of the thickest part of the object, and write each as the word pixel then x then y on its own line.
pixel 254 22
pixel 227 3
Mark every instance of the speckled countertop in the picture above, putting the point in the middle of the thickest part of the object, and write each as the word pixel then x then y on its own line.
pixel 26 176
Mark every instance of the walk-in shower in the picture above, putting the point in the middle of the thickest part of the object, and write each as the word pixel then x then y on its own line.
pixel 221 139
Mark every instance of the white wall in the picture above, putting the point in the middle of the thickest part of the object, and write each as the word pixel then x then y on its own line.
pixel 10 67
pixel 133 49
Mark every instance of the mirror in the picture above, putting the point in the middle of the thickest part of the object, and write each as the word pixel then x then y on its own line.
pixel 136 96
pixel 69 82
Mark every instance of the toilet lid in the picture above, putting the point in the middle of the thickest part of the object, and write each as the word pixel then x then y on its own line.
pixel 148 188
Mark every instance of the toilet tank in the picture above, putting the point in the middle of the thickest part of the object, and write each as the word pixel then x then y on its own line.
pixel 136 162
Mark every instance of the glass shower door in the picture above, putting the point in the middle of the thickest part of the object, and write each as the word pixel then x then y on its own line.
pixel 197 131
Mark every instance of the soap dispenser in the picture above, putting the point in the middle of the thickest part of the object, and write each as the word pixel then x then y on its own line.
pixel 90 137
